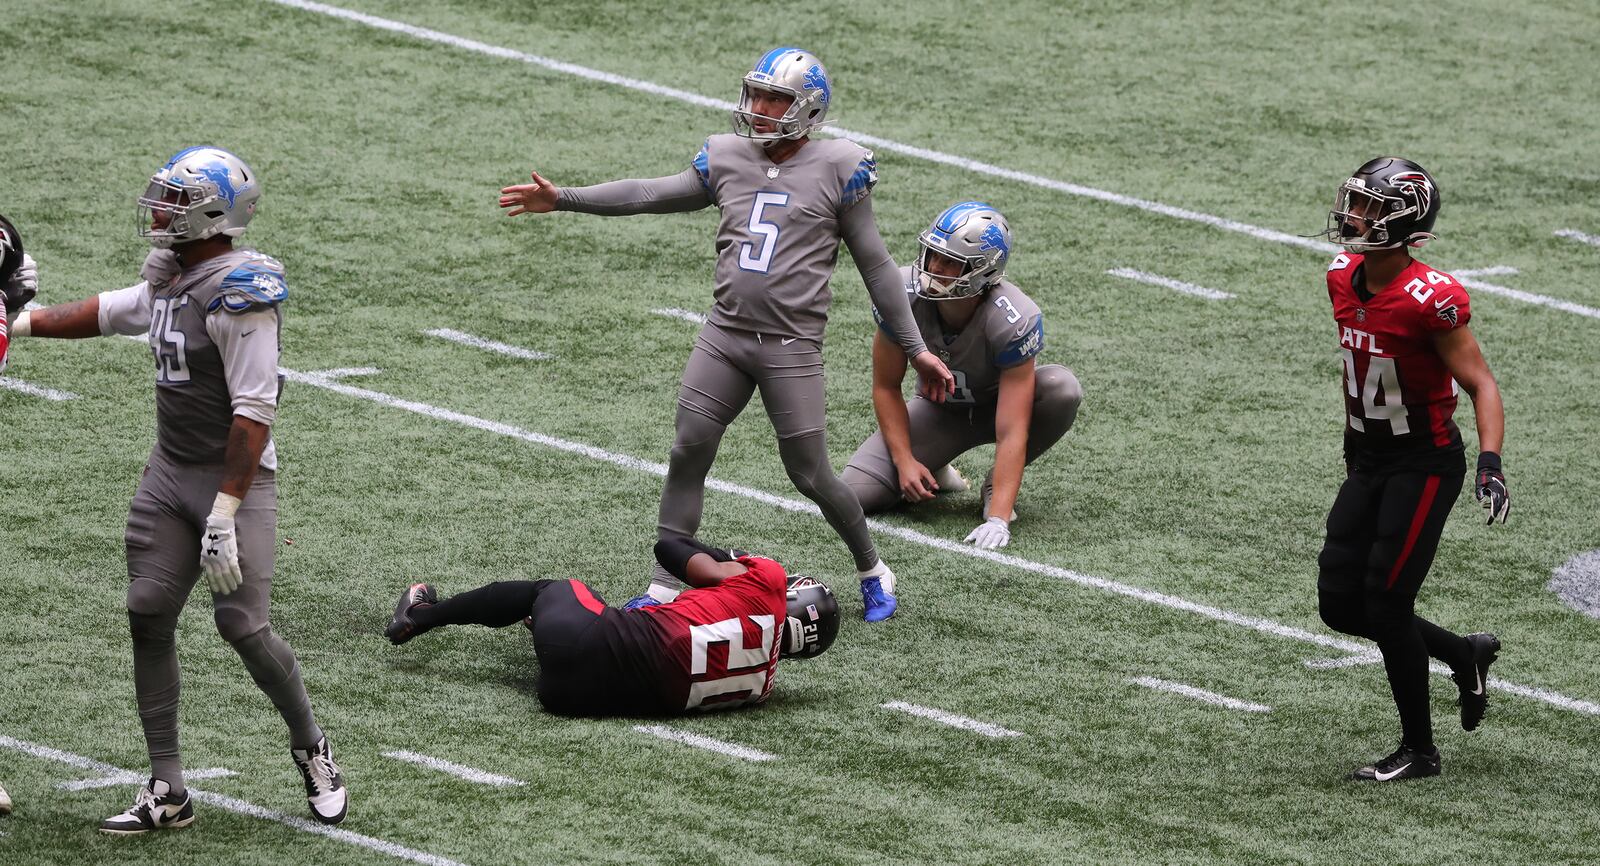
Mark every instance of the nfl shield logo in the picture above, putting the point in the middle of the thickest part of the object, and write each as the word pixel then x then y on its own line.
pixel 1361 314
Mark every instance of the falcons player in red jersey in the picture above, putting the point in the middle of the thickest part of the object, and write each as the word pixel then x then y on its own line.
pixel 1406 346
pixel 714 646
pixel 19 280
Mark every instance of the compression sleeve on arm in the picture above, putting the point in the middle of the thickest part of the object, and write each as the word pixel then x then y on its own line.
pixel 672 194
pixel 878 271
pixel 125 311
pixel 674 554
pixel 248 342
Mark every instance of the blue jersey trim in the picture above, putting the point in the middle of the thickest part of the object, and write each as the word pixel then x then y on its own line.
pixel 702 165
pixel 1023 347
pixel 861 182
pixel 252 284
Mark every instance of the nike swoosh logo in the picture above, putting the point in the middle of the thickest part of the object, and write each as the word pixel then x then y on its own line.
pixel 247 333
pixel 1384 777
pixel 1439 305
pixel 1479 689
pixel 788 341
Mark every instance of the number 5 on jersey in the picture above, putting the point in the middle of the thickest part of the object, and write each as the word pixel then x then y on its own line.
pixel 751 259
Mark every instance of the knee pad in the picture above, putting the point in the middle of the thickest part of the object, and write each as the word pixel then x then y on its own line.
pixel 1344 612
pixel 150 598
pixel 1055 385
pixel 235 623
pixel 1390 614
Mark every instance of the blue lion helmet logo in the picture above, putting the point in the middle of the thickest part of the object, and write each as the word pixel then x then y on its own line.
pixel 218 174
pixel 994 239
pixel 816 79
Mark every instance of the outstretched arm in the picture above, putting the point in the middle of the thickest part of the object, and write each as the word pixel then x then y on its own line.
pixel 672 194
pixel 859 230
pixel 123 311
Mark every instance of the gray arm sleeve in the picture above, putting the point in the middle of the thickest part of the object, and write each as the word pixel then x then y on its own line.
pixel 672 194
pixel 860 233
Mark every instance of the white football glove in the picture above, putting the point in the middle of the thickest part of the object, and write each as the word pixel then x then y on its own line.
pixel 219 548
pixel 23 285
pixel 994 532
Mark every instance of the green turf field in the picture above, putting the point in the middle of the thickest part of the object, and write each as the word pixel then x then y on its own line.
pixel 1192 490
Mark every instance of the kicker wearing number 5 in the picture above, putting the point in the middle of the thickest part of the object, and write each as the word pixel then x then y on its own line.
pixel 786 202
pixel 1405 345
pixel 208 500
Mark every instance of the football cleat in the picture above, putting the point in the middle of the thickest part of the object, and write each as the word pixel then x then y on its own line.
pixel 664 587
pixel 155 807
pixel 1473 683
pixel 1401 764
pixel 401 627
pixel 950 479
pixel 988 492
pixel 325 789
pixel 879 603
pixel 639 601
pixel 5 802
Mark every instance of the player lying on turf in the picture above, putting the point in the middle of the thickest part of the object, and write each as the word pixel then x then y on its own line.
pixel 988 332
pixel 1405 342
pixel 208 499
pixel 786 203
pixel 716 645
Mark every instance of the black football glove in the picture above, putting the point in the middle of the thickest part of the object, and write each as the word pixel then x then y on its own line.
pixel 1491 487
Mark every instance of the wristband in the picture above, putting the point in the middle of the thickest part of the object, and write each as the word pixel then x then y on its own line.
pixel 22 325
pixel 1488 460
pixel 225 506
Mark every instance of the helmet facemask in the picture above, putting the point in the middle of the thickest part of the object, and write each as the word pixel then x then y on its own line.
pixel 1369 217
pixel 788 72
pixel 971 233
pixel 200 193
pixel 812 622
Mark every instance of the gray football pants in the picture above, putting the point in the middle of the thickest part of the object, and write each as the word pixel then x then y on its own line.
pixel 724 369
pixel 163 543
pixel 939 433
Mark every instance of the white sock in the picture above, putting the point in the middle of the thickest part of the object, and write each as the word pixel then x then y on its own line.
pixel 883 573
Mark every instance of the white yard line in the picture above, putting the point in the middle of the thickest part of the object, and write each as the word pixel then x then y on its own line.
pixel 1169 283
pixel 1580 237
pixel 242 807
pixel 121 778
pixel 1201 695
pixel 733 750
pixel 464 339
pixel 1530 297
pixel 327 381
pixel 686 315
pixel 22 387
pixel 951 719
pixel 460 771
pixel 1369 658
pixel 972 165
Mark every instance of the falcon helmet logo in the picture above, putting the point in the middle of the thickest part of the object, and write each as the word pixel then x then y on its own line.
pixel 1416 186
pixel 1449 314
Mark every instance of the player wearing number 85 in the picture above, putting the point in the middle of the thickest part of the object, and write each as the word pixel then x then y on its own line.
pixel 207 502
pixel 786 202
pixel 989 332
pixel 1405 343
pixel 713 647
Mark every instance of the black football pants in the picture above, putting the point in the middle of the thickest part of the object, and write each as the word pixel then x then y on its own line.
pixel 1383 531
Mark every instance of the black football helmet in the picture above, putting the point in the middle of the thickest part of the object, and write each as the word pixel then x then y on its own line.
pixel 1388 203
pixel 813 620
pixel 10 260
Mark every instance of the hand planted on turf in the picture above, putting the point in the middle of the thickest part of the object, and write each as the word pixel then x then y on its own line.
pixel 22 286
pixel 1492 494
pixel 933 377
pixel 219 555
pixel 993 533
pixel 537 197
pixel 916 482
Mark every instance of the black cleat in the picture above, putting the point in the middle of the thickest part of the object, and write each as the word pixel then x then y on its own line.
pixel 401 627
pixel 1404 763
pixel 1473 683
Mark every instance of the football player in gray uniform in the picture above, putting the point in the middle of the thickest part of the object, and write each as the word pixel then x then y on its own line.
pixel 988 331
pixel 208 500
pixel 786 202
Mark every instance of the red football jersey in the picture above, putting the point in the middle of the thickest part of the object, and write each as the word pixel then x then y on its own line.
pixel 721 643
pixel 1399 395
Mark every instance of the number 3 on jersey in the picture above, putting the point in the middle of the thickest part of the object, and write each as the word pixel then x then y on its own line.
pixel 760 261
pixel 1382 378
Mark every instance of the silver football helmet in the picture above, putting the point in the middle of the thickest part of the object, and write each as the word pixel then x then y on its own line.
pixel 795 73
pixel 971 232
pixel 200 193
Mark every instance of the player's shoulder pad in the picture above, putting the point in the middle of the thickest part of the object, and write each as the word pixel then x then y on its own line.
pixel 702 164
pixel 256 282
pixel 863 175
pixel 1016 325
pixel 160 268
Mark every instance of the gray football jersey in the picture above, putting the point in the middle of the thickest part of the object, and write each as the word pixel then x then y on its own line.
pixel 1006 330
pixel 778 239
pixel 194 410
